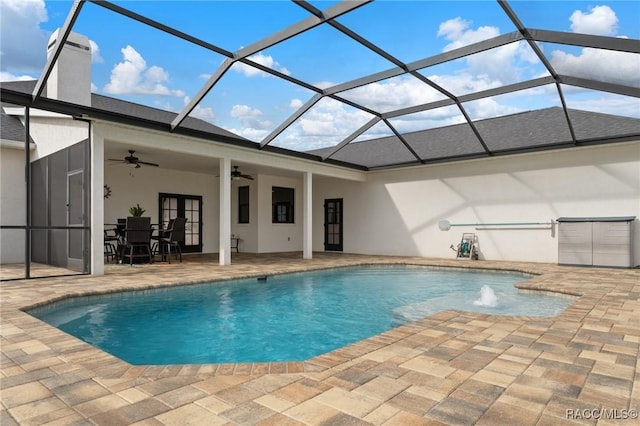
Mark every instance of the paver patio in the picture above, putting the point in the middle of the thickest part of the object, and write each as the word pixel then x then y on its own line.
pixel 453 367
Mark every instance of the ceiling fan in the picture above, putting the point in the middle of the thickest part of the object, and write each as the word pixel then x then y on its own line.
pixel 236 174
pixel 133 161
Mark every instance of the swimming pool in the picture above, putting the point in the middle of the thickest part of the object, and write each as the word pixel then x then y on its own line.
pixel 289 317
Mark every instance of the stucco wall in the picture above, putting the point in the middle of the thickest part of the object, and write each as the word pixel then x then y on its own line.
pixel 51 134
pixel 259 235
pixel 275 237
pixel 13 202
pixel 397 212
pixel 247 232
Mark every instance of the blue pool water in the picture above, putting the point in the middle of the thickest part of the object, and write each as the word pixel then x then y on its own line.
pixel 289 317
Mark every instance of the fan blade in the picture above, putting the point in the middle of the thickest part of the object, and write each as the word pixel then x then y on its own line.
pixel 247 177
pixel 148 164
pixel 114 159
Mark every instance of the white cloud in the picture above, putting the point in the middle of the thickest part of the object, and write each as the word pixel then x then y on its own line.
pixel 23 44
pixel 465 82
pixel 440 117
pixel 609 104
pixel 326 124
pixel 393 94
pixel 458 33
pixel 295 103
pixel 203 113
pixel 261 59
pixel 600 20
pixel 95 52
pixel 255 135
pixel 501 65
pixel 598 64
pixel 134 77
pixel 488 108
pixel 250 117
pixel 7 76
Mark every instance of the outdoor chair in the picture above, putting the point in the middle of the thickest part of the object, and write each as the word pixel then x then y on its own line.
pixel 172 237
pixel 235 242
pixel 111 245
pixel 122 223
pixel 137 239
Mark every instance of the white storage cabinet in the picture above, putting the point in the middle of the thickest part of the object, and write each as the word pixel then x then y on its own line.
pixel 596 241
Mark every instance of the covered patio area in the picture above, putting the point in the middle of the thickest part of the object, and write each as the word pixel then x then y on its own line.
pixel 449 368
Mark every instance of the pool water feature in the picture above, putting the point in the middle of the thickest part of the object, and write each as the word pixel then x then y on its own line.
pixel 289 317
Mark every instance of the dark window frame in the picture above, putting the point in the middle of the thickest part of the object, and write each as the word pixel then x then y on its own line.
pixel 282 204
pixel 181 212
pixel 244 204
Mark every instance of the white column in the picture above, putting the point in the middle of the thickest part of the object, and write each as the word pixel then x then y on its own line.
pixel 96 205
pixel 307 215
pixel 225 211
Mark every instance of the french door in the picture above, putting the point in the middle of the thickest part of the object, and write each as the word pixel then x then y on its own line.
pixel 333 224
pixel 189 206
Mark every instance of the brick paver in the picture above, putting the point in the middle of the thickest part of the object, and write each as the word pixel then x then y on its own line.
pixel 449 368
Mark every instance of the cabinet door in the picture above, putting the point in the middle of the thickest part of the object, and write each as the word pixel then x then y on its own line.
pixel 612 244
pixel 575 242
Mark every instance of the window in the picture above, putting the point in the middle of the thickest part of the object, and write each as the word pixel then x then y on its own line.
pixel 243 204
pixel 282 204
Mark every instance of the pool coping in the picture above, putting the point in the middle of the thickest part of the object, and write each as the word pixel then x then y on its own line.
pixel 315 364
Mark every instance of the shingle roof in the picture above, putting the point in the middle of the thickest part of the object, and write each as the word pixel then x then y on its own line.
pixel 545 128
pixel 11 129
pixel 131 109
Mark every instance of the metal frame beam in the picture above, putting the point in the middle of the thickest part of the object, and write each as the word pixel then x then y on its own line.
pixel 329 17
pixel 242 54
pixel 159 26
pixel 586 40
pixel 289 121
pixel 369 124
pixel 601 86
pixel 533 44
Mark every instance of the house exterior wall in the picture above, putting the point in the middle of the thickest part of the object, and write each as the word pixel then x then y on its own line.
pixel 394 212
pixel 397 212
pixel 13 201
pixel 50 133
pixel 54 133
pixel 247 232
pixel 275 237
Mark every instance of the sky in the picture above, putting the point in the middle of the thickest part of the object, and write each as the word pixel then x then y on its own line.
pixel 136 63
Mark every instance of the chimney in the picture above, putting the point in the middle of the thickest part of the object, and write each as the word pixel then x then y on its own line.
pixel 70 78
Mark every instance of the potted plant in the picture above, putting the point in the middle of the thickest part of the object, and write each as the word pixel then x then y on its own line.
pixel 136 210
